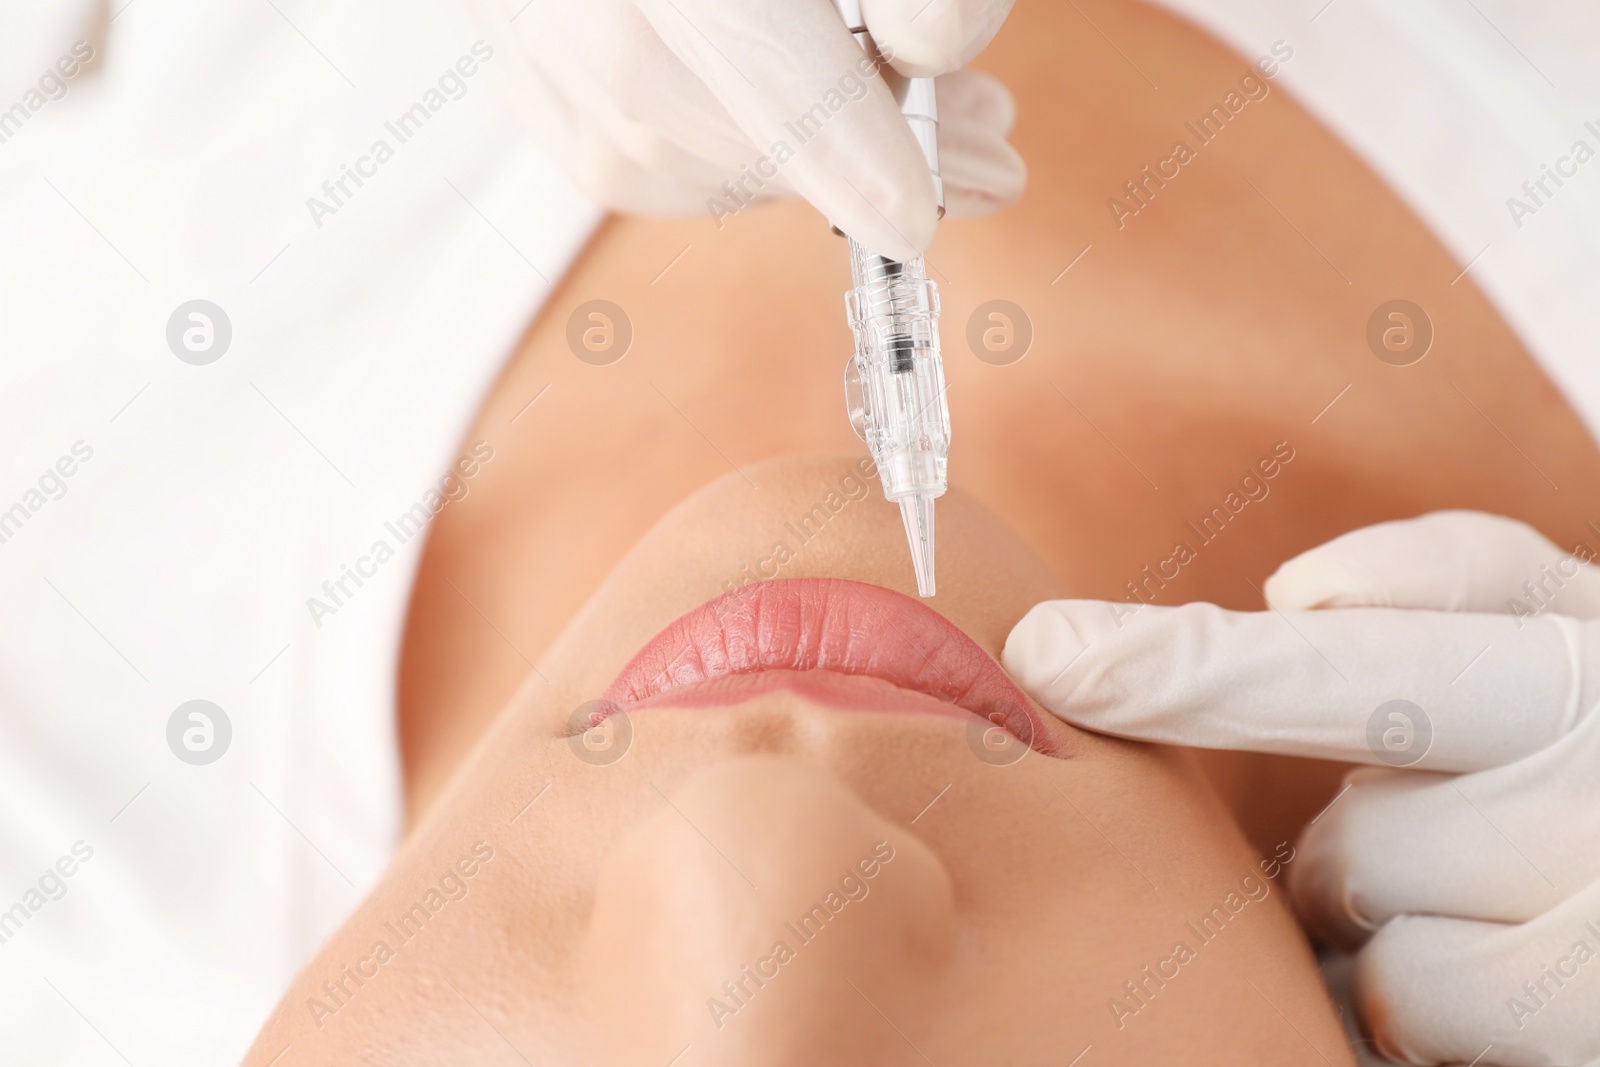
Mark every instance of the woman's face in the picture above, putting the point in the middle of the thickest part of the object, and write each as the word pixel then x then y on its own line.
pixel 840 866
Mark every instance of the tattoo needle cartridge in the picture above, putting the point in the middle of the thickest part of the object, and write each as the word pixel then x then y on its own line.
pixel 894 383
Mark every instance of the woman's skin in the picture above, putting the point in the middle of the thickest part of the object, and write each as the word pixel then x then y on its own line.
pixel 600 907
pixel 1176 353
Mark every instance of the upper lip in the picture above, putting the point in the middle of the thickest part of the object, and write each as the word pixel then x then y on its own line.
pixel 831 624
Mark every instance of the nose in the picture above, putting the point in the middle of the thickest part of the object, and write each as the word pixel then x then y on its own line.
pixel 765 915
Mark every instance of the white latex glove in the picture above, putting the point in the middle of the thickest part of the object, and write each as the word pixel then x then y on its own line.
pixel 1471 872
pixel 671 106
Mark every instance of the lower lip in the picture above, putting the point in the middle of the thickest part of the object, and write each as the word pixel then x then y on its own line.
pixel 799 634
pixel 846 692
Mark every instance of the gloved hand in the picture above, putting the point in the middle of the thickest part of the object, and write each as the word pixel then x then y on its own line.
pixel 677 106
pixel 1470 866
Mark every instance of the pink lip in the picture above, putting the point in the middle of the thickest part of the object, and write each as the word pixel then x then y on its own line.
pixel 830 688
pixel 826 625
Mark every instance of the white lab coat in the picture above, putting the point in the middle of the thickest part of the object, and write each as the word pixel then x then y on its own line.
pixel 175 562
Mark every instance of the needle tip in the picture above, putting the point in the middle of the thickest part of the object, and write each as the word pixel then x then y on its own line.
pixel 917 513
